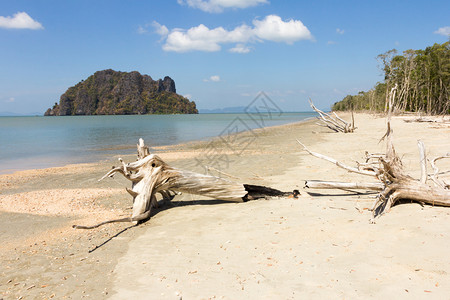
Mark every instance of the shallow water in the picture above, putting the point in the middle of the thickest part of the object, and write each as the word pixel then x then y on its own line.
pixel 41 142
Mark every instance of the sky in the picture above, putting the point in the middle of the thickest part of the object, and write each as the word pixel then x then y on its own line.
pixel 221 53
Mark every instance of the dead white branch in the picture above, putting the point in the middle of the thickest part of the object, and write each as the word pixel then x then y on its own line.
pixel 333 122
pixel 423 162
pixel 337 163
pixel 436 173
pixel 394 185
pixel 318 184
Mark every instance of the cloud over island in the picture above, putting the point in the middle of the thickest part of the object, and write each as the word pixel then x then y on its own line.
pixel 201 38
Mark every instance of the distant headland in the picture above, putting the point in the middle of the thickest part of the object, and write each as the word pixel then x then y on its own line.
pixel 110 92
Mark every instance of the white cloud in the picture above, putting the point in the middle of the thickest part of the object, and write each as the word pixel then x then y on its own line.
pixel 20 20
pixel 157 28
pixel 10 100
pixel 213 78
pixel 443 31
pixel 340 31
pixel 160 29
pixel 273 28
pixel 240 48
pixel 217 6
pixel 201 38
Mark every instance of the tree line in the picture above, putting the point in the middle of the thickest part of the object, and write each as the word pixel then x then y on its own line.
pixel 422 78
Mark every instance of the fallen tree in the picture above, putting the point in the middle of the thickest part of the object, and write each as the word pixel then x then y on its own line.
pixel 428 119
pixel 151 175
pixel 393 184
pixel 333 122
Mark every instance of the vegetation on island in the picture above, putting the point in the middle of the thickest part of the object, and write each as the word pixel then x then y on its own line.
pixel 109 92
pixel 422 78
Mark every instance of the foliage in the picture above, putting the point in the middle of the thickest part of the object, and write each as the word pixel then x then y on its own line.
pixel 110 92
pixel 422 78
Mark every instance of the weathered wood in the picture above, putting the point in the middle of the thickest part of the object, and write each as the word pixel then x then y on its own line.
pixel 138 218
pixel 420 119
pixel 395 185
pixel 318 184
pixel 423 162
pixel 436 172
pixel 142 150
pixel 150 175
pixel 337 163
pixel 335 123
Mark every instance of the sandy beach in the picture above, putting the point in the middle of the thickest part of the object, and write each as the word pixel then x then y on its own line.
pixel 320 245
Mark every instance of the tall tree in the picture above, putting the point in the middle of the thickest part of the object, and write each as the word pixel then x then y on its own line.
pixel 422 78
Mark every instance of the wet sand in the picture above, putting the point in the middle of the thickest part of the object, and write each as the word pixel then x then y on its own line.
pixel 320 245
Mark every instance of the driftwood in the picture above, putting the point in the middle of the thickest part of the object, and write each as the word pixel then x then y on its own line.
pixel 422 119
pixel 394 185
pixel 150 175
pixel 319 184
pixel 333 122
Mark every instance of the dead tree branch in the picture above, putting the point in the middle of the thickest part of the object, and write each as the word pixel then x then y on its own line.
pixel 333 122
pixel 318 184
pixel 394 185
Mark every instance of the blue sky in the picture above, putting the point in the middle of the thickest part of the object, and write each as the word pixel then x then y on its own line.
pixel 220 53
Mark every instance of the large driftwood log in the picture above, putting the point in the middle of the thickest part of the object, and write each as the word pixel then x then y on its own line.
pixel 150 175
pixel 394 185
pixel 319 184
pixel 333 122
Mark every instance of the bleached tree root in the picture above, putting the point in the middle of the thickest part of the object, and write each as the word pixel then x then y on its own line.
pixel 333 122
pixel 138 218
pixel 150 175
pixel 394 185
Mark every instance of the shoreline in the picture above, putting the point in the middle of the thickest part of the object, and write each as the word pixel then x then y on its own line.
pixel 188 149
pixel 315 246
pixel 50 163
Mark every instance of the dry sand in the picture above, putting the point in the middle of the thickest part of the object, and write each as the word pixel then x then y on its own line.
pixel 320 245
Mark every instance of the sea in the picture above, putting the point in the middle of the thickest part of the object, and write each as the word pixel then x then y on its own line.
pixel 42 142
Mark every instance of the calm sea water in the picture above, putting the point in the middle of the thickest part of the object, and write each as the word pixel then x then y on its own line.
pixel 41 142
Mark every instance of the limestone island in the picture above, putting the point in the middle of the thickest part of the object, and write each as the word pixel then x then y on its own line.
pixel 110 92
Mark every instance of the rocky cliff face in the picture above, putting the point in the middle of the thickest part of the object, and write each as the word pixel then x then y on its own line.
pixel 110 92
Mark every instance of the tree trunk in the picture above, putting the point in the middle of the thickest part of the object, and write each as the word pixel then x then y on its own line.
pixel 150 175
